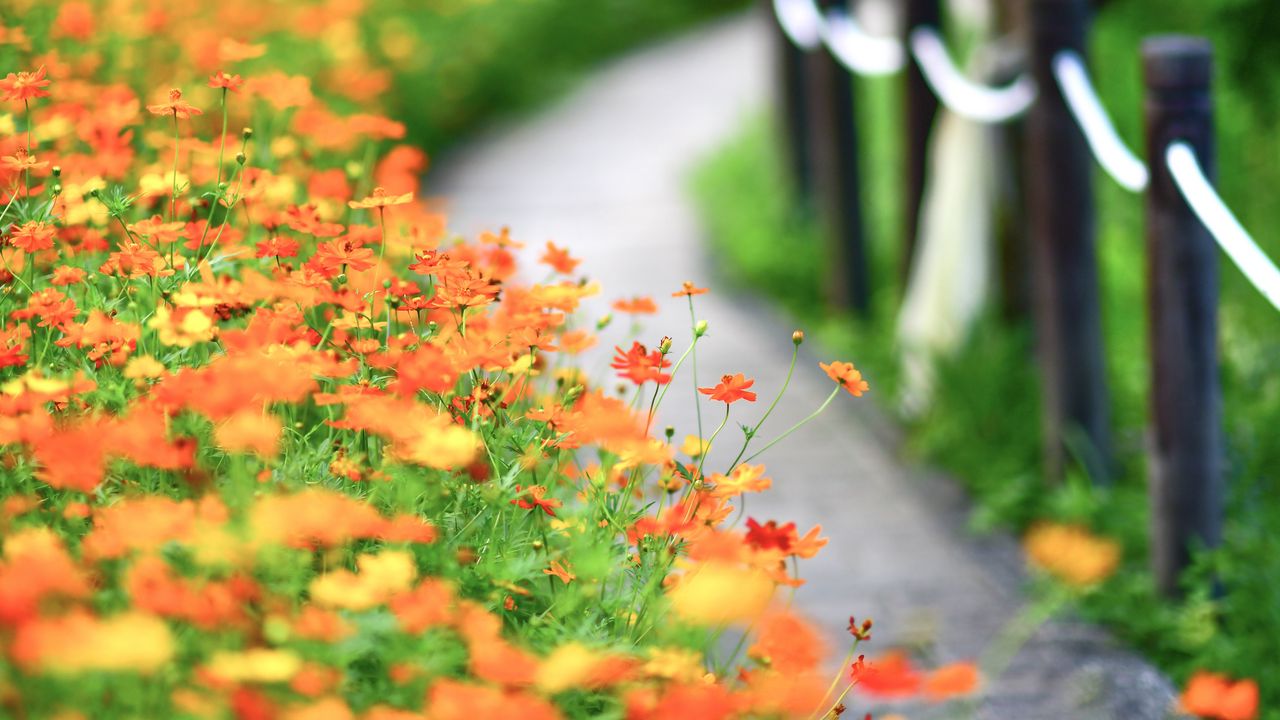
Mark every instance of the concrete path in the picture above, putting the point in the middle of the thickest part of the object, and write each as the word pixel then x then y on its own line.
pixel 604 173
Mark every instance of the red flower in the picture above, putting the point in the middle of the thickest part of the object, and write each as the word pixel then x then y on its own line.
pixel 533 498
pixel 731 389
pixel 25 86
pixel 640 366
pixel 770 535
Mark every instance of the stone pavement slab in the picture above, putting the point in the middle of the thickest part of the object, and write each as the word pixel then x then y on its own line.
pixel 604 172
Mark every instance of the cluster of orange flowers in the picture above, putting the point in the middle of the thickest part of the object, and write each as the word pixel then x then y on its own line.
pixel 276 445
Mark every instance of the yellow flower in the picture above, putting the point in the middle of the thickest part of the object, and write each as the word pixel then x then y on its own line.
pixel 716 593
pixel 441 445
pixel 567 666
pixel 380 577
pixel 674 664
pixel 694 446
pixel 162 184
pixel 81 643
pixel 144 367
pixel 250 431
pixel 183 328
pixel 1072 553
pixel 261 665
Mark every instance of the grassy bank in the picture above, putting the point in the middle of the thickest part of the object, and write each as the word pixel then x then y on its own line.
pixel 458 63
pixel 984 425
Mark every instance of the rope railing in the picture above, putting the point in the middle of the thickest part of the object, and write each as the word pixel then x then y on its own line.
pixel 1221 223
pixel 801 21
pixel 961 95
pixel 868 55
pixel 1112 154
pixel 857 50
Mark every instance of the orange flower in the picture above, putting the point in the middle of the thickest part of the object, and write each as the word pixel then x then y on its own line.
pixel 380 199
pixel 1072 553
pixel 176 107
pixel 951 681
pixel 688 289
pixel 787 643
pixel 636 306
pixel 560 571
pixel 559 259
pixel 226 81
pixel 848 377
pixel 640 366
pixel 533 498
pixel 731 389
pixel 32 236
pixel 341 253
pixel 892 676
pixel 770 535
pixel 1216 697
pixel 21 161
pixel 25 86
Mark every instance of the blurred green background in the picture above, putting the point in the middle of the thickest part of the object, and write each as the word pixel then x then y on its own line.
pixel 984 426
pixel 474 60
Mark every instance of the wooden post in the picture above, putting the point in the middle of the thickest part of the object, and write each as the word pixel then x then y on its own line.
pixel 834 144
pixel 1014 257
pixel 921 109
pixel 1060 207
pixel 794 108
pixel 1186 459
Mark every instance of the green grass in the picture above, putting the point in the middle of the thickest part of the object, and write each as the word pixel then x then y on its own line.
pixel 984 425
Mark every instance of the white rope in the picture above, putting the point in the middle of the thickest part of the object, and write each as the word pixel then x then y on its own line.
pixel 1112 154
pixel 1221 222
pixel 801 20
pixel 958 93
pixel 860 52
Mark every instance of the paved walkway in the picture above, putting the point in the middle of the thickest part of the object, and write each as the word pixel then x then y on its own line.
pixel 604 172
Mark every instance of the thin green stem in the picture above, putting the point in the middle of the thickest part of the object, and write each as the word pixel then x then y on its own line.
pixel 795 353
pixel 797 426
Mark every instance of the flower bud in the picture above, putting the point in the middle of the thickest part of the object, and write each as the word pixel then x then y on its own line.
pixel 670 431
pixel 57 171
pixel 603 322
pixel 241 159
pixel 247 133
pixel 664 346
pixel 797 337
pixel 700 329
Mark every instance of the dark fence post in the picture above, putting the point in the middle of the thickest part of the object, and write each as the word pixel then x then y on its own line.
pixel 921 108
pixel 1060 206
pixel 1014 255
pixel 834 144
pixel 794 108
pixel 1186 459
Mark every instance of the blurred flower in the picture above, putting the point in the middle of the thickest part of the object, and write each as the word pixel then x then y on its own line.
pixel 1071 553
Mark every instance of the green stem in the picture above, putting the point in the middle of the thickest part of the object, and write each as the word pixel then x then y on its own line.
pixel 797 426
pixel 795 353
